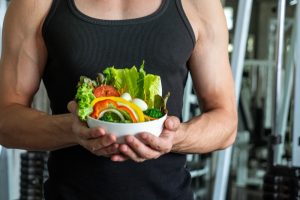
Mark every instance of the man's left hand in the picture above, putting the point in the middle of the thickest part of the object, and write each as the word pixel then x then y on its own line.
pixel 146 146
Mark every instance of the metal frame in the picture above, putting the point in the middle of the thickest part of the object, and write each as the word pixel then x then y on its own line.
pixel 296 128
pixel 289 23
pixel 288 81
pixel 4 177
pixel 277 92
pixel 238 57
pixel 3 6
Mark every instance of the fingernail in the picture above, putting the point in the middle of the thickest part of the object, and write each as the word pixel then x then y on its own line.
pixel 171 124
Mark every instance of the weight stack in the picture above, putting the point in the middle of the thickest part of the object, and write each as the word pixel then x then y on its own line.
pixel 33 173
pixel 282 183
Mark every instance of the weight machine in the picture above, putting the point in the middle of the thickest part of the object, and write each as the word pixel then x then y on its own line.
pixel 282 180
pixel 277 175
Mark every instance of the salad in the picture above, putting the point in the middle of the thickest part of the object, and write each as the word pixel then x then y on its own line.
pixel 124 95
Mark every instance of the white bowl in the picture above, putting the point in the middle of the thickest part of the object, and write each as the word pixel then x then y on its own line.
pixel 154 127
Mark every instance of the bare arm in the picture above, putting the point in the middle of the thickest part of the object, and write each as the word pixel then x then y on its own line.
pixel 21 67
pixel 216 127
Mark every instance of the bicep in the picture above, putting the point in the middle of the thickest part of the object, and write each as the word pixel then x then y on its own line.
pixel 209 63
pixel 23 55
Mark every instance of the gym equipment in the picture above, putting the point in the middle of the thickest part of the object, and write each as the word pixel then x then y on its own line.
pixel 33 172
pixel 238 57
pixel 283 181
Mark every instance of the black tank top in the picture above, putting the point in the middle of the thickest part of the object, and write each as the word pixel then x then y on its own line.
pixel 81 45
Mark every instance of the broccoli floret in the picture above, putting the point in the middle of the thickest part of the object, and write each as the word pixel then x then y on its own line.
pixel 153 112
pixel 110 117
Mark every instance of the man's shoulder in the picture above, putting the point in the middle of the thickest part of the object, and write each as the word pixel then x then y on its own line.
pixel 192 15
pixel 33 5
pixel 28 13
pixel 206 17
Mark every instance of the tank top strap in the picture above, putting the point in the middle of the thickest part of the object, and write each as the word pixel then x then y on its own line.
pixel 51 13
pixel 185 19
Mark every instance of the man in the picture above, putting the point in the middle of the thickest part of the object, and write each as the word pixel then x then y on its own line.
pixel 58 41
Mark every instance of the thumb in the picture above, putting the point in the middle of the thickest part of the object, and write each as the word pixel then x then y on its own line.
pixel 72 107
pixel 172 123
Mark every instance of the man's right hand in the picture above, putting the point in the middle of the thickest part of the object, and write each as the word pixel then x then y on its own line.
pixel 96 140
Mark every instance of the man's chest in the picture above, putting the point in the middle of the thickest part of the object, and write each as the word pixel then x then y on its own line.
pixel 118 9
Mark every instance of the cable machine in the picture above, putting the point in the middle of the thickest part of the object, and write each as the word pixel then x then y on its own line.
pixel 277 176
pixel 237 62
pixel 283 181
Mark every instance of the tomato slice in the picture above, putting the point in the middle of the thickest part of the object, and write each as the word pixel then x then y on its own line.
pixel 102 105
pixel 106 91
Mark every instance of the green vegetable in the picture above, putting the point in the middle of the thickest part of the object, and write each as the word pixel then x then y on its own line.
pixel 136 82
pixel 152 87
pixel 123 80
pixel 113 117
pixel 84 97
pixel 126 116
pixel 153 112
pixel 160 103
pixel 110 117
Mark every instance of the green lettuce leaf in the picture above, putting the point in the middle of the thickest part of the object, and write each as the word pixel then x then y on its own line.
pixel 84 96
pixel 152 87
pixel 125 80
pixel 137 83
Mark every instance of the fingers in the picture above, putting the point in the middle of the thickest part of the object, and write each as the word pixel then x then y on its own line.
pixel 163 144
pixel 89 133
pixel 99 143
pixel 80 128
pixel 137 150
pixel 147 146
pixel 96 140
pixel 119 158
pixel 102 146
pixel 128 152
pixel 108 151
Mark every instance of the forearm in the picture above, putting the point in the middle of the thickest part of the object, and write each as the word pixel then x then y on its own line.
pixel 25 128
pixel 211 131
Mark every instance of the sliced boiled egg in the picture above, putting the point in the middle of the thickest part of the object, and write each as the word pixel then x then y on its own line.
pixel 126 96
pixel 140 103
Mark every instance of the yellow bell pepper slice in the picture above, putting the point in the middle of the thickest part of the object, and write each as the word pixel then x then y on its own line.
pixel 124 102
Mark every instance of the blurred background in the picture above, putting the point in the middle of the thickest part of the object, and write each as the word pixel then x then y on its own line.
pixel 264 162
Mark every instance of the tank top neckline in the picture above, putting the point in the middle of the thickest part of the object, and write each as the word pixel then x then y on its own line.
pixel 74 9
